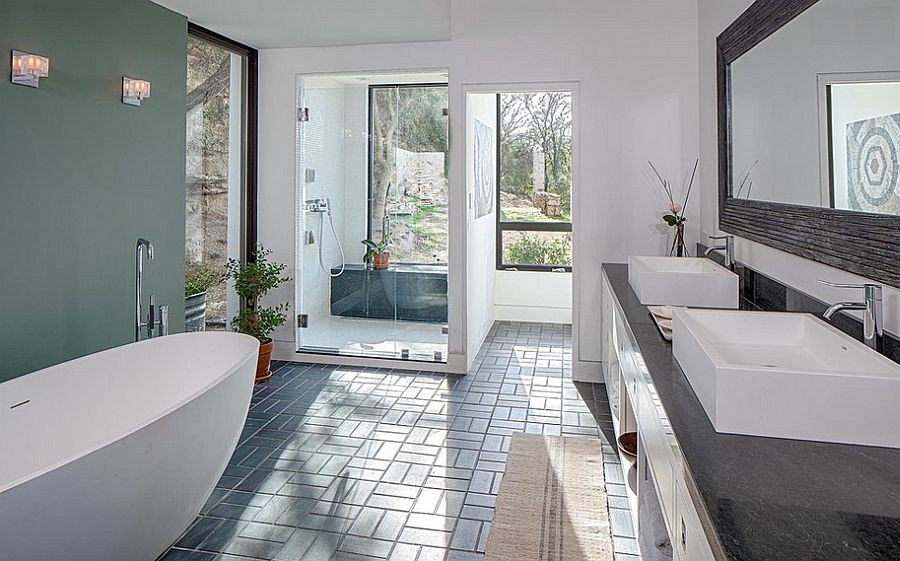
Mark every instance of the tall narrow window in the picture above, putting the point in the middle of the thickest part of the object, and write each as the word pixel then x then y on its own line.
pixel 220 173
pixel 534 225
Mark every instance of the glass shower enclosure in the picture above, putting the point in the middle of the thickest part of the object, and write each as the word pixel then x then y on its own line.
pixel 371 216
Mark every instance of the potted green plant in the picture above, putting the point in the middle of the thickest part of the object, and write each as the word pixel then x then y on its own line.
pixel 377 254
pixel 198 279
pixel 252 281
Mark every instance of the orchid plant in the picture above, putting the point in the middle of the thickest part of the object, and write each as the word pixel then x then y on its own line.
pixel 675 217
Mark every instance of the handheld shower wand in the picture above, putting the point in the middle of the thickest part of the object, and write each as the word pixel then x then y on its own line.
pixel 323 207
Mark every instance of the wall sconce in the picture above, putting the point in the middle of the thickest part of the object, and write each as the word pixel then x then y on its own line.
pixel 134 91
pixel 28 68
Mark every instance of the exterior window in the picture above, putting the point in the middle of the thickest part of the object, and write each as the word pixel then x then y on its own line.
pixel 408 188
pixel 220 173
pixel 534 225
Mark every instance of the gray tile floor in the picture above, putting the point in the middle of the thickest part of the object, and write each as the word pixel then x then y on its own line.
pixel 350 464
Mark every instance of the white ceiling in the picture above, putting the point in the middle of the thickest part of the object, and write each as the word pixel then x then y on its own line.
pixel 267 24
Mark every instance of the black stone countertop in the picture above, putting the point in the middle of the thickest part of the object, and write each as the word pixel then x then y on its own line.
pixel 773 499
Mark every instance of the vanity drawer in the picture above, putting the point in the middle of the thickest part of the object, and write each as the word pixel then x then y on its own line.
pixel 613 389
pixel 607 322
pixel 627 365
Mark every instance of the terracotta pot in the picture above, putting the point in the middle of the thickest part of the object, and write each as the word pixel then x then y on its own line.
pixel 381 260
pixel 263 370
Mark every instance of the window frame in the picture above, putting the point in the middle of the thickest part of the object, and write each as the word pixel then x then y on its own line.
pixel 513 226
pixel 370 125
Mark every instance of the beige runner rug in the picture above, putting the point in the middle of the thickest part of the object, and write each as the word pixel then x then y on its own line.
pixel 552 502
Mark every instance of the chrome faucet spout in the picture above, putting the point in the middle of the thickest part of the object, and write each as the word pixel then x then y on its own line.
pixel 146 244
pixel 873 316
pixel 840 306
pixel 139 281
pixel 726 248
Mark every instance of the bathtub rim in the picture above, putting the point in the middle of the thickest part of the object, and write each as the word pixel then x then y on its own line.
pixel 144 422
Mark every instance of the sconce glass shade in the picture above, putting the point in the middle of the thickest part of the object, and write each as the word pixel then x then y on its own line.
pixel 134 91
pixel 28 68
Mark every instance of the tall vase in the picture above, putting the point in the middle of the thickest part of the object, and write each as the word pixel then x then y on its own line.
pixel 678 243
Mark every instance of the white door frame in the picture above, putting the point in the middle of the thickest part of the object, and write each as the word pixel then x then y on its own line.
pixel 577 240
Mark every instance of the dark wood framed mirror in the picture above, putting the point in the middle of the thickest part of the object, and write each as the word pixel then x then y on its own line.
pixel 859 240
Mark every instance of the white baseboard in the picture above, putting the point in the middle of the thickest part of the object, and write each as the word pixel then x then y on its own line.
pixel 532 313
pixel 587 372
pixel 478 342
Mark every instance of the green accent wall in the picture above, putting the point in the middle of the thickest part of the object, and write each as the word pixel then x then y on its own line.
pixel 82 176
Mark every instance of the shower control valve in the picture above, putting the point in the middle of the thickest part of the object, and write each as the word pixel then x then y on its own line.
pixel 316 205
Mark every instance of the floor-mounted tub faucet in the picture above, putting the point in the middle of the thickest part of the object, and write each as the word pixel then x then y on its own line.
pixel 727 249
pixel 163 311
pixel 873 320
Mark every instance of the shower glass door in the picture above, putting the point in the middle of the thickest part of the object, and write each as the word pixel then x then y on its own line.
pixel 372 166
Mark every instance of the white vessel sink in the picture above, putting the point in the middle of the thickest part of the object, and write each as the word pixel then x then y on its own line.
pixel 682 281
pixel 787 375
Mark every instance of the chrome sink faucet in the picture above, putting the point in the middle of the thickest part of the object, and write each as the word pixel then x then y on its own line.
pixel 726 248
pixel 162 311
pixel 873 315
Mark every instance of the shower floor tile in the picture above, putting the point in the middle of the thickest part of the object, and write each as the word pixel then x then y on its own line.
pixel 339 463
pixel 374 337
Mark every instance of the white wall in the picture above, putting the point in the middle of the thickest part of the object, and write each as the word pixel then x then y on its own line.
pixel 635 64
pixel 533 296
pixel 334 145
pixel 481 254
pixel 323 150
pixel 354 228
pixel 715 16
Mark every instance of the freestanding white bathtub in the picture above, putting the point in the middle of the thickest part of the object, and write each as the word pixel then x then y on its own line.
pixel 110 457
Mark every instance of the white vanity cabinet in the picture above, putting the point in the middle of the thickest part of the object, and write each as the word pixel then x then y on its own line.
pixel 635 406
pixel 608 347
pixel 690 542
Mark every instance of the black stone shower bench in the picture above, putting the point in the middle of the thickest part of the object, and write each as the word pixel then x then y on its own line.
pixel 408 292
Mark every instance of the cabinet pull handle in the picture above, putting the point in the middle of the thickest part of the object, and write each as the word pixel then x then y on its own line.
pixel 683 535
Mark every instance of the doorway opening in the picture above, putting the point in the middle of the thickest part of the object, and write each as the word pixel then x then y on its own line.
pixel 520 165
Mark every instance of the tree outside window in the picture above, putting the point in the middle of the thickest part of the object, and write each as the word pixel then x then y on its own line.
pixel 535 180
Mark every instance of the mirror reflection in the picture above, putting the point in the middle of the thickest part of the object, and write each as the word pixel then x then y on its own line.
pixel 816 110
